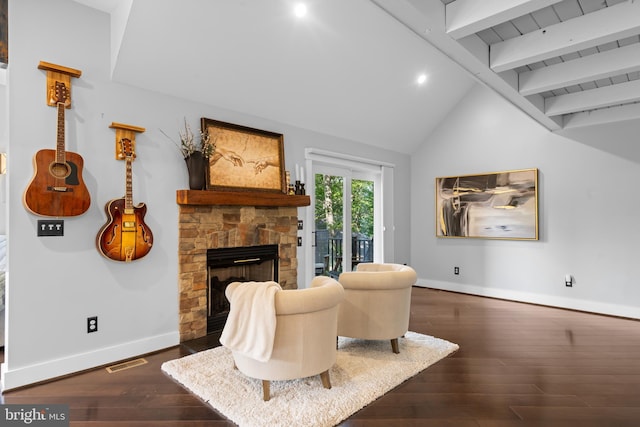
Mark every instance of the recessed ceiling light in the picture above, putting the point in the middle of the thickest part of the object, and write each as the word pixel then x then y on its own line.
pixel 300 10
pixel 422 79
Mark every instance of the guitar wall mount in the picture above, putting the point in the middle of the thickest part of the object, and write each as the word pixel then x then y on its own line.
pixel 125 132
pixel 60 74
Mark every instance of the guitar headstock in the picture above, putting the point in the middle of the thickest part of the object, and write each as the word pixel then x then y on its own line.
pixel 60 94
pixel 127 149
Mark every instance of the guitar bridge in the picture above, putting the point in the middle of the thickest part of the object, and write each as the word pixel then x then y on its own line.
pixel 60 189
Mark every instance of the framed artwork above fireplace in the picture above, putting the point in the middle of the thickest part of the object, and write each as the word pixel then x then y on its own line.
pixel 245 159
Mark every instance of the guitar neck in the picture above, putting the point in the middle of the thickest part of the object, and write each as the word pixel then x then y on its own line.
pixel 128 198
pixel 60 150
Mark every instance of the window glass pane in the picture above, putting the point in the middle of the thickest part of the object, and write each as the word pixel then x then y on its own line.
pixel 362 221
pixel 329 209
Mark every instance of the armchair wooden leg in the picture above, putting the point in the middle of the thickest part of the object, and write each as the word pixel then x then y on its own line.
pixel 394 346
pixel 326 381
pixel 266 390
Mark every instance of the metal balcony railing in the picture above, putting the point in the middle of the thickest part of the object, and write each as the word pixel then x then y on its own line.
pixel 331 263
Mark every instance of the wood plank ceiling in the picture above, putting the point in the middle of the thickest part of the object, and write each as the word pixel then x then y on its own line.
pixel 576 61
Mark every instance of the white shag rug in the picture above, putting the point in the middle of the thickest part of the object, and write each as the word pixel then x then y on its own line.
pixel 364 371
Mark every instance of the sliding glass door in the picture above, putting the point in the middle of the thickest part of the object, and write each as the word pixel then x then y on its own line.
pixel 347 223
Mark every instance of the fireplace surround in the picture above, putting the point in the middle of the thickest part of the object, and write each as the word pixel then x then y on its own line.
pixel 212 219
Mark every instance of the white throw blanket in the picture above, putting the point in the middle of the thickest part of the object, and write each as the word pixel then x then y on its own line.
pixel 251 325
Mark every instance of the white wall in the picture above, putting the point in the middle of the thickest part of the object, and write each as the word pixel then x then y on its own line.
pixel 4 144
pixel 57 282
pixel 588 212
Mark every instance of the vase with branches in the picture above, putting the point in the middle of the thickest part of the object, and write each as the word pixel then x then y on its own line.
pixel 196 153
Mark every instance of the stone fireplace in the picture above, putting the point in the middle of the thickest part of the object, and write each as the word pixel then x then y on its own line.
pixel 212 220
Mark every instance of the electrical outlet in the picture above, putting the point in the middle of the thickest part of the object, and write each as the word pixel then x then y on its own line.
pixel 92 324
pixel 299 241
pixel 50 227
pixel 456 270
pixel 568 280
pixel 300 224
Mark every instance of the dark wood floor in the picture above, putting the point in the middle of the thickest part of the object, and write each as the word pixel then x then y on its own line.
pixel 518 365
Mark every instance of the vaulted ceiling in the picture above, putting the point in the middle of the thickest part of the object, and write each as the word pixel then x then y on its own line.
pixel 570 64
pixel 346 69
pixel 349 67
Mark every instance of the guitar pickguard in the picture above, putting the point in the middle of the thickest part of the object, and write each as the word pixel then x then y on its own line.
pixel 72 179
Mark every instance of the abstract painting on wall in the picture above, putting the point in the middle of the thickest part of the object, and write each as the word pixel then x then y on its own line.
pixel 497 205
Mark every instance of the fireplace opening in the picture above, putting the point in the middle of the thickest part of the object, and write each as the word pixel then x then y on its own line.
pixel 240 264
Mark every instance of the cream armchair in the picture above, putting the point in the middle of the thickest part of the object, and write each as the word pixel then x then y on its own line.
pixel 305 335
pixel 377 302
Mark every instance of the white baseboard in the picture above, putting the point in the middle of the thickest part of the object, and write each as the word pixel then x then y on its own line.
pixel 19 377
pixel 528 297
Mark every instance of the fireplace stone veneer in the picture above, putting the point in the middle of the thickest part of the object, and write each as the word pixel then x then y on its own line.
pixel 202 227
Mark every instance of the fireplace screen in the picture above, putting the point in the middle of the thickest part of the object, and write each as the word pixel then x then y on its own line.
pixel 228 265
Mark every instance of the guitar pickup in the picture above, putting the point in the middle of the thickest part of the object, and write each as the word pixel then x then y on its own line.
pixel 51 227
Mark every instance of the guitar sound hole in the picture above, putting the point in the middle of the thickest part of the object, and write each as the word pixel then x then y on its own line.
pixel 59 170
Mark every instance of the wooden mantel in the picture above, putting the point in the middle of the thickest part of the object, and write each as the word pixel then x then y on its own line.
pixel 240 198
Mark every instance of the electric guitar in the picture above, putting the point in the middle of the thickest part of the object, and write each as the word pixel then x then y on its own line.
pixel 125 236
pixel 57 187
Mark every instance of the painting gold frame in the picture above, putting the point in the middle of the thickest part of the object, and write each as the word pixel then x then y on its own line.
pixel 496 205
pixel 245 159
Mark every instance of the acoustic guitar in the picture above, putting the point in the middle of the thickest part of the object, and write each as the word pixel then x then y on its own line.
pixel 125 236
pixel 57 187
